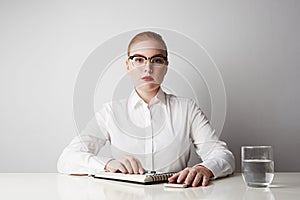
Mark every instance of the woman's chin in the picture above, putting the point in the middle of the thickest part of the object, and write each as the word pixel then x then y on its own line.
pixel 148 87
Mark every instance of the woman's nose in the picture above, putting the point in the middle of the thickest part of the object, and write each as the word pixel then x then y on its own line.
pixel 148 67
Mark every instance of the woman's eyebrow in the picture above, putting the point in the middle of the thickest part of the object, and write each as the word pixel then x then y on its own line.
pixel 161 55
pixel 139 55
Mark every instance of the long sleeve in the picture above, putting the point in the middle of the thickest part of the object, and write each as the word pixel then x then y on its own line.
pixel 213 152
pixel 80 156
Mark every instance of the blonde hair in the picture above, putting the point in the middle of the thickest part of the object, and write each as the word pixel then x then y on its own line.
pixel 146 36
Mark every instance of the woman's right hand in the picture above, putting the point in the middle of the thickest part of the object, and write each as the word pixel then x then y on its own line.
pixel 128 164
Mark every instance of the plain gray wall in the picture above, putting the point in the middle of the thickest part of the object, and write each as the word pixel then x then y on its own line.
pixel 43 44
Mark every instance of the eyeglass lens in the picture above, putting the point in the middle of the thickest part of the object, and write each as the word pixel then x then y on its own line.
pixel 140 61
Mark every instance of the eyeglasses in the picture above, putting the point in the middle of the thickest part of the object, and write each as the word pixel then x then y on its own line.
pixel 140 60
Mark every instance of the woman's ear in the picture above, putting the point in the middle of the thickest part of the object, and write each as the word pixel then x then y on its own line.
pixel 166 67
pixel 127 65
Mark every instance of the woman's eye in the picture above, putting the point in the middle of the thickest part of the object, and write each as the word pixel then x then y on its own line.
pixel 139 60
pixel 158 61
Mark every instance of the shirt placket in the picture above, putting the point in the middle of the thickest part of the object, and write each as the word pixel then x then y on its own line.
pixel 149 140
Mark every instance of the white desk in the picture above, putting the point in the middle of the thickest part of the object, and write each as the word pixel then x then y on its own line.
pixel 53 186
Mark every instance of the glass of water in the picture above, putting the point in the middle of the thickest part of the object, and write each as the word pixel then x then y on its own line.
pixel 257 165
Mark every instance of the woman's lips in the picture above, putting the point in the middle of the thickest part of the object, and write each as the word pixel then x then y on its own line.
pixel 147 78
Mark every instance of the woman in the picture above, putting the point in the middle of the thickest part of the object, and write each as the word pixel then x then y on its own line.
pixel 151 129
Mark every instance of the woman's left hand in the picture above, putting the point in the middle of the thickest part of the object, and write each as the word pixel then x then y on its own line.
pixel 192 176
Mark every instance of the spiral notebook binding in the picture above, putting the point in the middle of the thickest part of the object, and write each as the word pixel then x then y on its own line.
pixel 161 176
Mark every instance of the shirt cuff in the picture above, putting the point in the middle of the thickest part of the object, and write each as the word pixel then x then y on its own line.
pixel 97 164
pixel 212 166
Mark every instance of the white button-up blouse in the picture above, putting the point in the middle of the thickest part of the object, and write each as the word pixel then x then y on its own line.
pixel 160 135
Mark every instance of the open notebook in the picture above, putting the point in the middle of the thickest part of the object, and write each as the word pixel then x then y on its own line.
pixel 135 178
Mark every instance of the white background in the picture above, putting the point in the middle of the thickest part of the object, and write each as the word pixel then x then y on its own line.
pixel 43 44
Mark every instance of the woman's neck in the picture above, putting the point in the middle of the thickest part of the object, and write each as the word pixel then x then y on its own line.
pixel 147 95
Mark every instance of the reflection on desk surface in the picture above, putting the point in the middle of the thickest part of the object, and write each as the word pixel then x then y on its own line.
pixel 89 188
pixel 64 187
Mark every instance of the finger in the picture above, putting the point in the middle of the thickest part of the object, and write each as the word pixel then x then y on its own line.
pixel 205 180
pixel 115 166
pixel 140 167
pixel 182 175
pixel 112 166
pixel 128 166
pixel 190 177
pixel 134 165
pixel 174 177
pixel 121 168
pixel 108 167
pixel 197 180
pixel 112 169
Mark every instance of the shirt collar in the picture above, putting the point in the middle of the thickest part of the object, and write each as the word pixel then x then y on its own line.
pixel 135 99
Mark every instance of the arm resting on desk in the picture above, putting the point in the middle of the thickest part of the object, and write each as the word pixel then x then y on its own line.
pixel 80 156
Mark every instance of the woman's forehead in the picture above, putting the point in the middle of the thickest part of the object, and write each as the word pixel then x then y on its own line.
pixel 147 46
pixel 148 52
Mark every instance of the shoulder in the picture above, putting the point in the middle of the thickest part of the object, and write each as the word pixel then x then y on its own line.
pixel 174 99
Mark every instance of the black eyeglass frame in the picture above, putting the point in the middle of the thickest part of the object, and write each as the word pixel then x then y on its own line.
pixel 148 58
